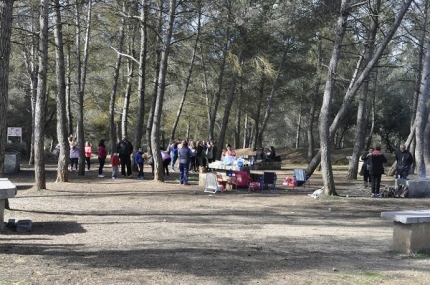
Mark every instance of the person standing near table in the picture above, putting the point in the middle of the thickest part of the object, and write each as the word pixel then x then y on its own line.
pixel 125 149
pixel 376 162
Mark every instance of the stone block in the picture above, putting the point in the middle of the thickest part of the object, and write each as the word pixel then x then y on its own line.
pixel 419 188
pixel 7 190
pixel 411 238
pixel 202 179
pixel 12 162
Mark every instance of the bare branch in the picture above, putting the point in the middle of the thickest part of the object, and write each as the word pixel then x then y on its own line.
pixel 125 55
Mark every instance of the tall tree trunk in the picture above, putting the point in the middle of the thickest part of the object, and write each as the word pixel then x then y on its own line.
pixel 427 141
pixel 217 96
pixel 127 94
pixel 112 125
pixel 68 90
pixel 421 44
pixel 6 8
pixel 299 126
pixel 32 68
pixel 81 76
pixel 188 79
pixel 230 99
pixel 372 120
pixel 63 159
pixel 238 117
pixel 40 114
pixel 156 73
pixel 142 75
pixel 310 130
pixel 420 118
pixel 354 86
pixel 272 93
pixel 362 105
pixel 155 134
pixel 258 144
pixel 324 119
pixel 245 132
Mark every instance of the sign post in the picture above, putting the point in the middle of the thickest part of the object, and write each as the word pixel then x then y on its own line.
pixel 14 132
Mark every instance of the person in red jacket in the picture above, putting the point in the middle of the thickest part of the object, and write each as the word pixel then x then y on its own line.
pixel 114 161
pixel 88 151
pixel 102 153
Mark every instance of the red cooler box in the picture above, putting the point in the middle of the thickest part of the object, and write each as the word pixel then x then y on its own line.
pixel 242 178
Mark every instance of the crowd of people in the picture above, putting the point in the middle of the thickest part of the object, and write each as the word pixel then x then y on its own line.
pixel 190 156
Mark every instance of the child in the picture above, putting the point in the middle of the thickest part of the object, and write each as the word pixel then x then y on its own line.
pixel 138 160
pixel 88 151
pixel 74 156
pixel 114 161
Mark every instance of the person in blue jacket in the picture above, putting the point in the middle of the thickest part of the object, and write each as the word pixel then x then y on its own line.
pixel 138 160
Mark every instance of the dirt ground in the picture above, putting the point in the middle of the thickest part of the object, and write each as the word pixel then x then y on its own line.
pixel 127 231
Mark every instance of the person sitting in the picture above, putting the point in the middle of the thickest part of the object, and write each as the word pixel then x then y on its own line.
pixel 272 154
pixel 260 155
pixel 228 151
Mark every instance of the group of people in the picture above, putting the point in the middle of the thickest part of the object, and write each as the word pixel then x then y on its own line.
pixel 262 155
pixel 74 154
pixel 202 153
pixel 373 168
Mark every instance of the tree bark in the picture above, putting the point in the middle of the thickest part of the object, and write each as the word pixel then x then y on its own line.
pixel 81 76
pixel 127 93
pixel 142 76
pixel 63 159
pixel 188 79
pixel 310 130
pixel 112 125
pixel 230 99
pixel 217 96
pixel 272 94
pixel 324 119
pixel 40 114
pixel 258 144
pixel 420 119
pixel 155 134
pixel 299 126
pixel 32 68
pixel 150 122
pixel 362 105
pixel 6 8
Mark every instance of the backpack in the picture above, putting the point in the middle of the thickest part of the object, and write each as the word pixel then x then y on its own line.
pixel 402 191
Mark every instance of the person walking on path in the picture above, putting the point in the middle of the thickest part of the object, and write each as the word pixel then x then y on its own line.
pixel 102 153
pixel 184 155
pixel 125 149
pixel 404 161
pixel 376 162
